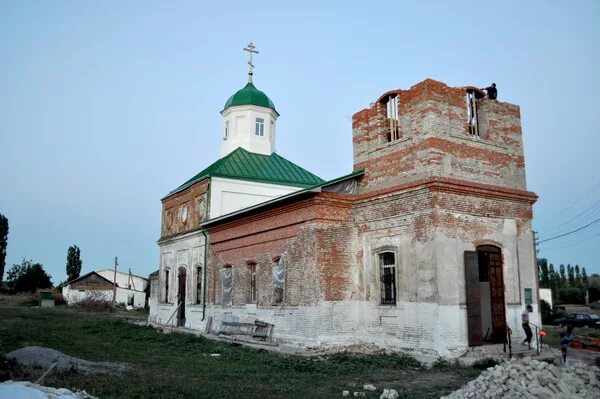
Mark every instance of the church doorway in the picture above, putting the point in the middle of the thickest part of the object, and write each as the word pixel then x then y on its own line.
pixel 181 296
pixel 486 313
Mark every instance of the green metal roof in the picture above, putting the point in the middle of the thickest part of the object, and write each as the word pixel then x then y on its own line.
pixel 250 95
pixel 244 165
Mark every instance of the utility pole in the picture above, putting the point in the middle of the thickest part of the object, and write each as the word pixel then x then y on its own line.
pixel 115 282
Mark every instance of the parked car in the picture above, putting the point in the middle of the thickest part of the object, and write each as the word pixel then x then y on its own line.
pixel 579 320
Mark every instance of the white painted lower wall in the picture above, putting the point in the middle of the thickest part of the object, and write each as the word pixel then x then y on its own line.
pixel 72 296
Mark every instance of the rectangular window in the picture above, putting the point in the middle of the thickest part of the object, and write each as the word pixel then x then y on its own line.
pixel 199 284
pixel 528 296
pixel 166 286
pixel 252 293
pixel 260 127
pixel 387 274
pixel 393 119
pixel 226 133
pixel 472 119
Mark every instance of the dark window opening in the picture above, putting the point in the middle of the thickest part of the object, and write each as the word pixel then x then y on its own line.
pixel 198 284
pixel 166 286
pixel 387 274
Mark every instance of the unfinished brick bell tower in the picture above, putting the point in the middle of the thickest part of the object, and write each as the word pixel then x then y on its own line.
pixel 444 200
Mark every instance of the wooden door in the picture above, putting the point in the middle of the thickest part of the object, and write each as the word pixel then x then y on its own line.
pixel 497 298
pixel 473 298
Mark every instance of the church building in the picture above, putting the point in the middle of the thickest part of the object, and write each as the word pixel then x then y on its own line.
pixel 425 246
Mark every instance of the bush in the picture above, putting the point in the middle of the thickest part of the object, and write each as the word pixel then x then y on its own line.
pixel 95 303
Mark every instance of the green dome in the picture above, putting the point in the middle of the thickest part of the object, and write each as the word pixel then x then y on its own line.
pixel 250 95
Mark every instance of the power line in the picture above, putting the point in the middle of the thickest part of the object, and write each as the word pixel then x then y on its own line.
pixel 593 214
pixel 570 232
pixel 578 199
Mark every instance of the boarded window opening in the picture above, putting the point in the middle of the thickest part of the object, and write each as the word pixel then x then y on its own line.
pixel 252 292
pixel 472 119
pixel 387 274
pixel 393 119
pixel 278 280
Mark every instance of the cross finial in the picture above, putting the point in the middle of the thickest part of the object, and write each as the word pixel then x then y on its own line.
pixel 250 48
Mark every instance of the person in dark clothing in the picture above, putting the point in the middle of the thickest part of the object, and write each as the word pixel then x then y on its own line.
pixel 565 340
pixel 526 327
pixel 492 92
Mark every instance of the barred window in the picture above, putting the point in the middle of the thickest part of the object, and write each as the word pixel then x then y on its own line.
pixel 387 274
pixel 166 286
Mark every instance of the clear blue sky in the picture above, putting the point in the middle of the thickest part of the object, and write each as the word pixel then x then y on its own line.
pixel 105 106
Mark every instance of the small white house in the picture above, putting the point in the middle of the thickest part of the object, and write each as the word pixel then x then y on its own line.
pixel 99 285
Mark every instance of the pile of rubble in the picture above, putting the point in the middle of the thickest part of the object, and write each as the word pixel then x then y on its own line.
pixel 528 378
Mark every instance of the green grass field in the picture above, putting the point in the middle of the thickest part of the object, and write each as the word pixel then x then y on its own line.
pixel 180 366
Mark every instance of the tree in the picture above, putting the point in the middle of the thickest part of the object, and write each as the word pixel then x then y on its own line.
pixel 543 272
pixel 3 243
pixel 28 277
pixel 73 262
pixel 584 278
pixel 578 281
pixel 571 276
pixel 563 277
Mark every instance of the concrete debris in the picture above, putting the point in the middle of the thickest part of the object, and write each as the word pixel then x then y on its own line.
pixel 389 394
pixel 369 387
pixel 38 356
pixel 529 378
pixel 28 390
pixel 345 393
pixel 359 394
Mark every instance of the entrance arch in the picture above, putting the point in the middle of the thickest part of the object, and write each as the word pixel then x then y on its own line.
pixel 181 279
pixel 486 311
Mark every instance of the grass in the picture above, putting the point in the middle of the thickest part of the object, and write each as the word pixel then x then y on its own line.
pixel 181 366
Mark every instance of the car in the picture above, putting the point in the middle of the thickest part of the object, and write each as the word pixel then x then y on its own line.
pixel 579 320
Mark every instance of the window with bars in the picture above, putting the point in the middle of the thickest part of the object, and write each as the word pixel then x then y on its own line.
pixel 260 127
pixel 387 274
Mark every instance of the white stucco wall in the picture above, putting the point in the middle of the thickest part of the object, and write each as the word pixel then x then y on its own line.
pixel 186 251
pixel 229 195
pixel 242 130
pixel 546 295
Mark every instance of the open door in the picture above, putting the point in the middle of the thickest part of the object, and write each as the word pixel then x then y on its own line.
pixel 473 298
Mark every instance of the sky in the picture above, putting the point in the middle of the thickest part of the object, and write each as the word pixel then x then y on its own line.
pixel 105 106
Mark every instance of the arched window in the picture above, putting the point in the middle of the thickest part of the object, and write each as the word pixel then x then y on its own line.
pixel 387 275
pixel 166 285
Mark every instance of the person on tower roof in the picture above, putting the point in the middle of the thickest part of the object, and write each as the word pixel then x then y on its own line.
pixel 492 92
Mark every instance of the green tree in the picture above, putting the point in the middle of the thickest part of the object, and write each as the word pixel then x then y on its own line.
pixel 578 281
pixel 544 273
pixel 571 276
pixel 562 277
pixel 73 262
pixel 584 278
pixel 3 243
pixel 28 277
